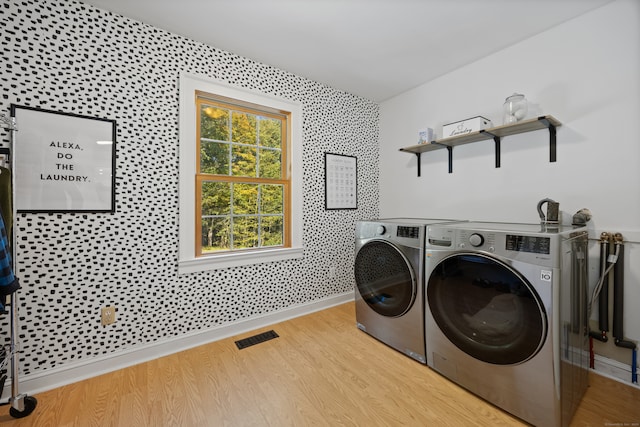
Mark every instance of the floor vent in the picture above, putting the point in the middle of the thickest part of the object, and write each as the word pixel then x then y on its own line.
pixel 256 339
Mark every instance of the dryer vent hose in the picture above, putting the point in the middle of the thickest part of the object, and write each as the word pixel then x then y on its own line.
pixel 553 211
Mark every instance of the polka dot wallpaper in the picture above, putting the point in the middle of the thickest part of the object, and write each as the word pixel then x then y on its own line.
pixel 66 56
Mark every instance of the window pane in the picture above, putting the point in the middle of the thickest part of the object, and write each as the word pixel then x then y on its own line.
pixel 270 132
pixel 245 199
pixel 270 164
pixel 244 160
pixel 271 200
pixel 249 147
pixel 215 234
pixel 214 123
pixel 216 198
pixel 245 232
pixel 214 158
pixel 271 232
pixel 243 128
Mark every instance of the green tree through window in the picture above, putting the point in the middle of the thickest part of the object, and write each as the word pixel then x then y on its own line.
pixel 242 180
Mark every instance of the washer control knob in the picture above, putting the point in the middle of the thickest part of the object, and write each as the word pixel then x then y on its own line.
pixel 380 230
pixel 492 249
pixel 476 240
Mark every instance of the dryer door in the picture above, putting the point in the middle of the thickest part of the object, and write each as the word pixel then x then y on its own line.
pixel 486 308
pixel 385 278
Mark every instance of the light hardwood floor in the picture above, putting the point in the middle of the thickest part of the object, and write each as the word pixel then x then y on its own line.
pixel 321 371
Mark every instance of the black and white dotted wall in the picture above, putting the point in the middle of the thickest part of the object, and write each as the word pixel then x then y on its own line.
pixel 66 56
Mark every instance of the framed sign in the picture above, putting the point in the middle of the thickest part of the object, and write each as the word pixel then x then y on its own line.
pixel 341 181
pixel 63 162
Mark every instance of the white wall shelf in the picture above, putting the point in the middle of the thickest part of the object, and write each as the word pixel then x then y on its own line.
pixel 495 133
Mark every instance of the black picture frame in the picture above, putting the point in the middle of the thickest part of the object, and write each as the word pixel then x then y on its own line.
pixel 340 181
pixel 64 162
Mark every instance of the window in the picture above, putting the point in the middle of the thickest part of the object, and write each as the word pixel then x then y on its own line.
pixel 240 177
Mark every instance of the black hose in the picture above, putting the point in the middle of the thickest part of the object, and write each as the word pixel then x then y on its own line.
pixel 603 307
pixel 626 344
pixel 618 299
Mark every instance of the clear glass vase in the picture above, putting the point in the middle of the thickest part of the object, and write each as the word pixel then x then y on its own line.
pixel 514 109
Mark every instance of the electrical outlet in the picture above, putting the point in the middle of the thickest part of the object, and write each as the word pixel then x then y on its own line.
pixel 108 315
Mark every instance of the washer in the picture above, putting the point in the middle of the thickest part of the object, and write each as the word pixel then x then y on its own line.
pixel 389 274
pixel 505 314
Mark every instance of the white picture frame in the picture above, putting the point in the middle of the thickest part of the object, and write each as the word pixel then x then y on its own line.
pixel 63 162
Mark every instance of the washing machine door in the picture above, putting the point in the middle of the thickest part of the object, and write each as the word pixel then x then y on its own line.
pixel 486 308
pixel 385 278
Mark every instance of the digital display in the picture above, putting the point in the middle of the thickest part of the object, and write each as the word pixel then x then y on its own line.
pixel 536 245
pixel 410 232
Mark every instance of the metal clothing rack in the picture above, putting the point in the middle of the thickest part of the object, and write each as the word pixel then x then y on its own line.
pixel 21 404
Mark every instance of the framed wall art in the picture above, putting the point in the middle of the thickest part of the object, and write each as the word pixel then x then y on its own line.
pixel 63 162
pixel 341 181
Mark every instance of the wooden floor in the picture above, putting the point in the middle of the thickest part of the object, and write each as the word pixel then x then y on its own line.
pixel 321 371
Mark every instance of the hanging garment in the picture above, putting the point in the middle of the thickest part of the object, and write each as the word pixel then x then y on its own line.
pixel 8 282
pixel 6 208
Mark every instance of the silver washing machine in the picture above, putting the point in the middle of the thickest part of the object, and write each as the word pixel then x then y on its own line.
pixel 389 274
pixel 505 315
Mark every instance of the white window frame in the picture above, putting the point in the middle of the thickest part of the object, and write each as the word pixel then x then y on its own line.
pixel 187 260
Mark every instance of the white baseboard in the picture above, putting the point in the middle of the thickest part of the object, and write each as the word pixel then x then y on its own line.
pixel 613 369
pixel 74 372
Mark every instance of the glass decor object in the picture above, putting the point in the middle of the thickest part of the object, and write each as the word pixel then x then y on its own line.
pixel 514 109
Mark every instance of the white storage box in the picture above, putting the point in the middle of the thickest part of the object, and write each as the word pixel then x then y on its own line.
pixel 425 136
pixel 464 127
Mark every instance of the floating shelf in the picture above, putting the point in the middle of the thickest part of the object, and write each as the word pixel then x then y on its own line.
pixel 495 133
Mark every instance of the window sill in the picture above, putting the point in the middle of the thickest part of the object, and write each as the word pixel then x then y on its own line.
pixel 216 262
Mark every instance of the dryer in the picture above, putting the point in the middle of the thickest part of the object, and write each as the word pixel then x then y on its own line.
pixel 389 275
pixel 505 314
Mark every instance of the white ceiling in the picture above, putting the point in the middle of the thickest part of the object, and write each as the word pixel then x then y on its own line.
pixel 372 48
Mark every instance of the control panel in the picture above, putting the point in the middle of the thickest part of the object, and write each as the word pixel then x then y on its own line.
pixel 521 244
pixel 489 241
pixel 410 235
pixel 531 244
pixel 478 240
pixel 408 232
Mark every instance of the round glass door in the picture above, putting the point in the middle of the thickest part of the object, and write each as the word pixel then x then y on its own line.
pixel 486 309
pixel 385 278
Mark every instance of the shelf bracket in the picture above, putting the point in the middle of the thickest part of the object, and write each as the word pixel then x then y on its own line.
pixel 552 138
pixel 450 150
pixel 418 155
pixel 496 140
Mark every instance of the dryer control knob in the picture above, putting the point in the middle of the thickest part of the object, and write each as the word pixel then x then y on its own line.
pixel 380 230
pixel 476 240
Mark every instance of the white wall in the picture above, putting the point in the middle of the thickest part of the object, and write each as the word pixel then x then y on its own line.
pixel 584 72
